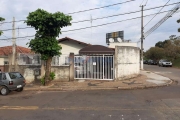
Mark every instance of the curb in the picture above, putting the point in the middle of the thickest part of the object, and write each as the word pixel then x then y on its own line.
pixel 97 88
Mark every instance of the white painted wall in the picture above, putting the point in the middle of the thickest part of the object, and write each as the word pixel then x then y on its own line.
pixel 113 45
pixel 71 46
pixel 2 59
pixel 127 62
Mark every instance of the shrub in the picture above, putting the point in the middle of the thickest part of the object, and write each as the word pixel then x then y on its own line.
pixel 52 77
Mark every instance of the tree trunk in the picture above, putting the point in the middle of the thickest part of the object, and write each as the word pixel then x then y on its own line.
pixel 48 69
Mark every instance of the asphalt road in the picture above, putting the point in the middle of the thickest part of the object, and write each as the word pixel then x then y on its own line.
pixel 170 72
pixel 143 104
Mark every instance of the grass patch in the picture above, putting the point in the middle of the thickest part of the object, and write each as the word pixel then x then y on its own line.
pixel 176 63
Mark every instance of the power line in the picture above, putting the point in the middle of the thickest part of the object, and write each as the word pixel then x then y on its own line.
pixel 84 10
pixel 96 25
pixel 123 13
pixel 106 16
pixel 146 2
pixel 101 7
pixel 156 14
pixel 169 14
pixel 142 3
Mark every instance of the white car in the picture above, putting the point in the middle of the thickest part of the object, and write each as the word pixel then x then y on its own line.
pixel 165 62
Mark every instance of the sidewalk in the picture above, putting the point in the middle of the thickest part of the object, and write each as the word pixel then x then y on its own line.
pixel 146 79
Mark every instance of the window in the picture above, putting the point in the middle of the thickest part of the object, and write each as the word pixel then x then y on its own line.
pixel 0 76
pixel 15 75
pixel 4 76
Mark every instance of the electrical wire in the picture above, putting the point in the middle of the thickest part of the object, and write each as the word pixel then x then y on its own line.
pixel 105 16
pixel 96 25
pixel 146 2
pixel 101 7
pixel 142 3
pixel 156 14
pixel 84 10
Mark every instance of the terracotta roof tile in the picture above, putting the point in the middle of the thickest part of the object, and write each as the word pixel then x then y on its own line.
pixel 4 51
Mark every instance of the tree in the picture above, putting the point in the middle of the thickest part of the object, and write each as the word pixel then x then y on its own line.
pixel 48 27
pixel 172 49
pixel 161 44
pixel 155 53
pixel 1 19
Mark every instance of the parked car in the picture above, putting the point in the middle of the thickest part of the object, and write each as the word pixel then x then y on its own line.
pixel 164 62
pixel 152 62
pixel 11 81
pixel 145 61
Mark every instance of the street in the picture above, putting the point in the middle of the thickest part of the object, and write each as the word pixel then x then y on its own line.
pixel 143 104
pixel 170 72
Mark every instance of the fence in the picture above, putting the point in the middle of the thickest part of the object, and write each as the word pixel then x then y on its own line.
pixel 35 59
pixel 29 59
pixel 62 60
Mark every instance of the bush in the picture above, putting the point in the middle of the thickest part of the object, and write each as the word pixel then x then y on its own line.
pixel 51 75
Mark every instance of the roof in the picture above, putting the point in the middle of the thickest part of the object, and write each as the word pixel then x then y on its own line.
pixel 70 39
pixel 5 51
pixel 96 49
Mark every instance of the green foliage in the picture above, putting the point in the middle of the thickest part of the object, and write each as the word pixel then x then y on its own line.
pixel 51 75
pixel 161 44
pixel 48 27
pixel 176 62
pixel 155 53
pixel 43 80
pixel 1 19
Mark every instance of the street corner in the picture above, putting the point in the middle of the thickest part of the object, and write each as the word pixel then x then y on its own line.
pixel 156 79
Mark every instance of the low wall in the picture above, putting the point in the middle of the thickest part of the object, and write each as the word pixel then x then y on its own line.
pixel 127 61
pixel 62 73
pixel 28 71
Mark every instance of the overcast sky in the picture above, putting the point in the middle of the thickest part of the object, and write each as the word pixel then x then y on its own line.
pixel 21 8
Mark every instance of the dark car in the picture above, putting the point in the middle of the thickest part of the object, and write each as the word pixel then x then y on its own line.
pixel 11 81
pixel 145 61
pixel 152 62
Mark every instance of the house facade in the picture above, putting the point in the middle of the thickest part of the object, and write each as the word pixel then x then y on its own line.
pixel 6 51
pixel 71 45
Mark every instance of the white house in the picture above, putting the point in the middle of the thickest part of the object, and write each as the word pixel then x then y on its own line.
pixel 70 45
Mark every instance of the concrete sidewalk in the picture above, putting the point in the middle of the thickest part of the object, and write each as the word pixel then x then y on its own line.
pixel 146 79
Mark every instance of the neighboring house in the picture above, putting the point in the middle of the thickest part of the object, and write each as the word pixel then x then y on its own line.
pixel 6 51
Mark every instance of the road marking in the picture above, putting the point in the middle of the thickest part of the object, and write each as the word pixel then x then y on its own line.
pixel 84 108
pixel 19 108
pixel 163 72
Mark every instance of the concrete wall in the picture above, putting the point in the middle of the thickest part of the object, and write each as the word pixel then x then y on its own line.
pixel 28 72
pixel 71 47
pixel 127 61
pixel 113 45
pixel 61 72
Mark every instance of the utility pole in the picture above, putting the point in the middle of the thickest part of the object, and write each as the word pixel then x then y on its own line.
pixel 13 42
pixel 142 36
